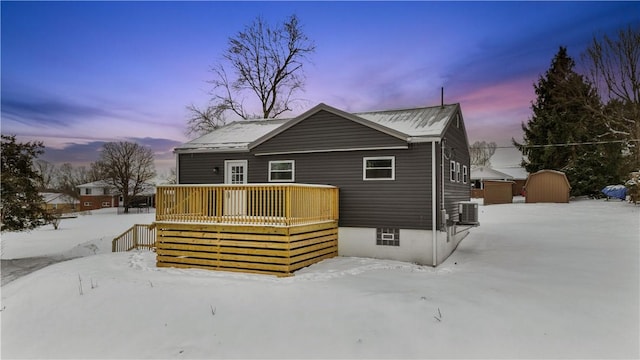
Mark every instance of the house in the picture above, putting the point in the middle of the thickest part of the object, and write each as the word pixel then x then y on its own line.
pixel 59 202
pixel 547 186
pixel 480 175
pixel 100 194
pixel 401 175
pixel 504 164
pixel 97 195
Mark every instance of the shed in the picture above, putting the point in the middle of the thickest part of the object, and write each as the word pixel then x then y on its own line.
pixel 498 192
pixel 549 186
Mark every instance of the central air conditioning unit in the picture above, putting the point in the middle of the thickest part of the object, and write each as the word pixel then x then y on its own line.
pixel 468 213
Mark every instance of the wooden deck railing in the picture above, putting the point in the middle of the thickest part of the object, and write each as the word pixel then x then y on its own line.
pixel 138 236
pixel 251 204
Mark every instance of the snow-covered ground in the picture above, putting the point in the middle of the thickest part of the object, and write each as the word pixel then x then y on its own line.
pixel 533 281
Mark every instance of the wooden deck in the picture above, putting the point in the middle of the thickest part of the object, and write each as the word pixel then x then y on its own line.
pixel 258 228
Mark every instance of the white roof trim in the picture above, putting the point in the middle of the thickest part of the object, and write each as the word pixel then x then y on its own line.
pixel 403 147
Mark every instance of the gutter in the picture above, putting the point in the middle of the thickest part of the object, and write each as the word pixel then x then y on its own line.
pixel 434 176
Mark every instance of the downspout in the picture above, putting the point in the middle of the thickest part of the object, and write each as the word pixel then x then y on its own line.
pixel 434 187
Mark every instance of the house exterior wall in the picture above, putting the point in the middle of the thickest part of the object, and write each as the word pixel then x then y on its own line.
pixel 404 202
pixel 415 245
pixel 94 202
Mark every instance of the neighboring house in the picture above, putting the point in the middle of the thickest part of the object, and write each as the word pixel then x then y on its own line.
pixel 97 195
pixel 503 165
pixel 547 186
pixel 482 174
pixel 100 194
pixel 58 202
pixel 401 174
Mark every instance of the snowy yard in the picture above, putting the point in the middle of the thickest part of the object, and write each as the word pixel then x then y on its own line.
pixel 533 281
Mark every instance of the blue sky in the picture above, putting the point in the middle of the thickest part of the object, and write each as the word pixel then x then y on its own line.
pixel 77 74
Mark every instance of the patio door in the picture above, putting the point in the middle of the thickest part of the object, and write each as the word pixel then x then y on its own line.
pixel 235 201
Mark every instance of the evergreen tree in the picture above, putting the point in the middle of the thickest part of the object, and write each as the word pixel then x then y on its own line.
pixel 565 126
pixel 22 206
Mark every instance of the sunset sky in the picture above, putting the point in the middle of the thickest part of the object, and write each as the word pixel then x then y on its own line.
pixel 78 74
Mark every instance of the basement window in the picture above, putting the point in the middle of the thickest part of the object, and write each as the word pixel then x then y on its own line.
pixel 388 236
pixel 282 171
pixel 379 168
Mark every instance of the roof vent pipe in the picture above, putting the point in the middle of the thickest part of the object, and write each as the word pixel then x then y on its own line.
pixel 442 97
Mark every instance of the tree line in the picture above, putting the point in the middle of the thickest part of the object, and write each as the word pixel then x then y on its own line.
pixel 126 166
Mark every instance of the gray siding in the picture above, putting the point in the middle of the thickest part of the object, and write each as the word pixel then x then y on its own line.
pixel 197 168
pixel 327 131
pixel 455 192
pixel 404 202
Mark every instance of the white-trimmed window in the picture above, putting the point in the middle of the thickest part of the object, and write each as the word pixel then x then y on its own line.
pixel 106 204
pixel 88 203
pixel 465 174
pixel 379 168
pixel 87 191
pixel 452 177
pixel 458 176
pixel 282 171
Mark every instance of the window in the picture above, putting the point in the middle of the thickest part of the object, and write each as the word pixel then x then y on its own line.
pixel 87 191
pixel 453 171
pixel 87 203
pixel 106 204
pixel 458 177
pixel 281 171
pixel 388 236
pixel 464 174
pixel 379 168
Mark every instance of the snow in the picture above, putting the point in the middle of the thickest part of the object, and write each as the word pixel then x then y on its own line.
pixel 234 136
pixel 533 281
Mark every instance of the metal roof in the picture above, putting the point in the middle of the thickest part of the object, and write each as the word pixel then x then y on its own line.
pixel 412 125
pixel 415 123
pixel 235 136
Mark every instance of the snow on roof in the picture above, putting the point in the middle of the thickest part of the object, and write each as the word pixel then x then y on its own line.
pixel 487 173
pixel 57 198
pixel 417 122
pixel 95 184
pixel 235 136
pixel 517 172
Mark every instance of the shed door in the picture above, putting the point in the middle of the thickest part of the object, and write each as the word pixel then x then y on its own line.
pixel 235 201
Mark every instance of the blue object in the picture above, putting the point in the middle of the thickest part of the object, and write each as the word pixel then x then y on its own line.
pixel 615 191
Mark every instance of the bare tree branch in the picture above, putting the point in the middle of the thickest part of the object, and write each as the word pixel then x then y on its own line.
pixel 268 63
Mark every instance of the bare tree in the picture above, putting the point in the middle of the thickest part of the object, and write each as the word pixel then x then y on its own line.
pixel 203 121
pixel 613 65
pixel 128 167
pixel 481 151
pixel 267 62
pixel 68 178
pixel 47 172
